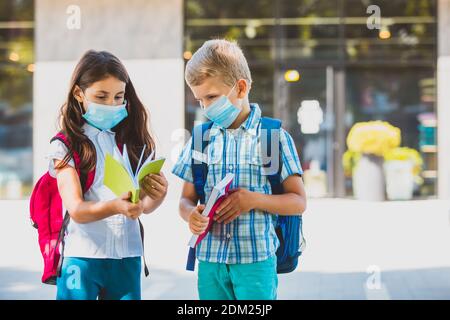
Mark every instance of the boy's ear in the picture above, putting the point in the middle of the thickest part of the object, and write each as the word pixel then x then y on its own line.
pixel 244 88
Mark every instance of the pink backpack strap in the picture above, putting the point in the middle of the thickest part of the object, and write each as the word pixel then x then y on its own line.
pixel 87 181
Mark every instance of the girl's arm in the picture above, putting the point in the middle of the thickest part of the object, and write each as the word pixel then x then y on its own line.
pixel 149 205
pixel 291 202
pixel 155 190
pixel 89 211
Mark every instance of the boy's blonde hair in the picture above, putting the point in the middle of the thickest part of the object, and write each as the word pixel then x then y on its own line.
pixel 218 57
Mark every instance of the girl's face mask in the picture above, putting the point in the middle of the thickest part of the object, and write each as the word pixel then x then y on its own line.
pixel 222 111
pixel 105 117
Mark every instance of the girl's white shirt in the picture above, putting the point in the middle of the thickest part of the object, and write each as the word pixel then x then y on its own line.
pixel 114 237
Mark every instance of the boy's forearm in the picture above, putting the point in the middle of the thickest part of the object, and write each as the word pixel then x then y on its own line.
pixel 284 204
pixel 186 207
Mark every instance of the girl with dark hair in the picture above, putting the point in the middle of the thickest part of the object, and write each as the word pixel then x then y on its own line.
pixel 102 245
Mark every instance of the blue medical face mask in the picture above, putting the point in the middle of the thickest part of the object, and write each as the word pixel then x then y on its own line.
pixel 105 117
pixel 222 112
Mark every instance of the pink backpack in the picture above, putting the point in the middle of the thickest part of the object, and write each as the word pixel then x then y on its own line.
pixel 46 213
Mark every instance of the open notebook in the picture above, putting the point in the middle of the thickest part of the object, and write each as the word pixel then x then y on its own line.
pixel 119 176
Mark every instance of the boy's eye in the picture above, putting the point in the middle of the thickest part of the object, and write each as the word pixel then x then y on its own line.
pixel 211 97
pixel 101 98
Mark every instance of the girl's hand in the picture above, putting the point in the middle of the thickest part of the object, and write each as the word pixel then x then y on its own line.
pixel 155 186
pixel 237 202
pixel 128 209
pixel 197 222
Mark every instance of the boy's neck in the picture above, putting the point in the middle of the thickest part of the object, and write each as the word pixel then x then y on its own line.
pixel 243 115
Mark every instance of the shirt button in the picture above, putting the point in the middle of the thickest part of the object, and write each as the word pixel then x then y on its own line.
pixel 228 236
pixel 230 167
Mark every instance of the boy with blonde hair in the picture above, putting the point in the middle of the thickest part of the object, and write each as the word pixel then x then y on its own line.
pixel 237 258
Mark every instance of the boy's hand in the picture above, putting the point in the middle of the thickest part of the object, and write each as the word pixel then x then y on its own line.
pixel 125 207
pixel 197 222
pixel 238 201
pixel 155 186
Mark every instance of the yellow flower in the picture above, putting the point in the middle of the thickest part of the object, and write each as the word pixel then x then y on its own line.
pixel 349 161
pixel 406 154
pixel 373 137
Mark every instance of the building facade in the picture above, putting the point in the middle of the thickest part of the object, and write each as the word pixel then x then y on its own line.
pixel 318 65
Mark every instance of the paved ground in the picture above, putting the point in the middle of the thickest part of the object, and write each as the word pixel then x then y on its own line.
pixel 355 250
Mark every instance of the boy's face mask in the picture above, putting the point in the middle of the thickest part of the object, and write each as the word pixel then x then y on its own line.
pixel 222 111
pixel 105 117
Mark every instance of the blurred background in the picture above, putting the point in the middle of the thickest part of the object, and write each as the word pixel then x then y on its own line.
pixel 362 86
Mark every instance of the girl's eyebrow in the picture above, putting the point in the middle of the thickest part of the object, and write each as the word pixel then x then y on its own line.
pixel 106 92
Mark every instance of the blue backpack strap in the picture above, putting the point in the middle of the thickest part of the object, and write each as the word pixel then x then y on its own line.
pixel 271 128
pixel 200 168
pixel 199 173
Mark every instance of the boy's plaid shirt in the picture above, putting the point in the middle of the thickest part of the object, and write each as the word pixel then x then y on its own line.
pixel 251 237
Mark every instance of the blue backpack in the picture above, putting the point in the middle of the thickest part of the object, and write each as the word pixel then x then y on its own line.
pixel 288 228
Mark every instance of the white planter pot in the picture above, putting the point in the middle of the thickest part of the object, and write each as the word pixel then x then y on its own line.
pixel 399 180
pixel 368 179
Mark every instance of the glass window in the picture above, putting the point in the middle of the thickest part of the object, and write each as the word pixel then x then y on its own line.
pixel 306 104
pixel 16 82
pixel 309 30
pixel 407 31
pixel 406 99
pixel 251 26
pixel 317 59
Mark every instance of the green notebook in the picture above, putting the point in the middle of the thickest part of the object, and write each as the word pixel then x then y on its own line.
pixel 119 176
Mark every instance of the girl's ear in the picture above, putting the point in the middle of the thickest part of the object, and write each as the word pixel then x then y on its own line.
pixel 77 94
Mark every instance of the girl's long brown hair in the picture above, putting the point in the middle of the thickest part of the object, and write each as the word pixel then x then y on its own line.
pixel 132 131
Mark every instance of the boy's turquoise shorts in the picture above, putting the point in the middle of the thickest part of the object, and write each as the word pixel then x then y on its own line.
pixel 250 281
pixel 105 279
